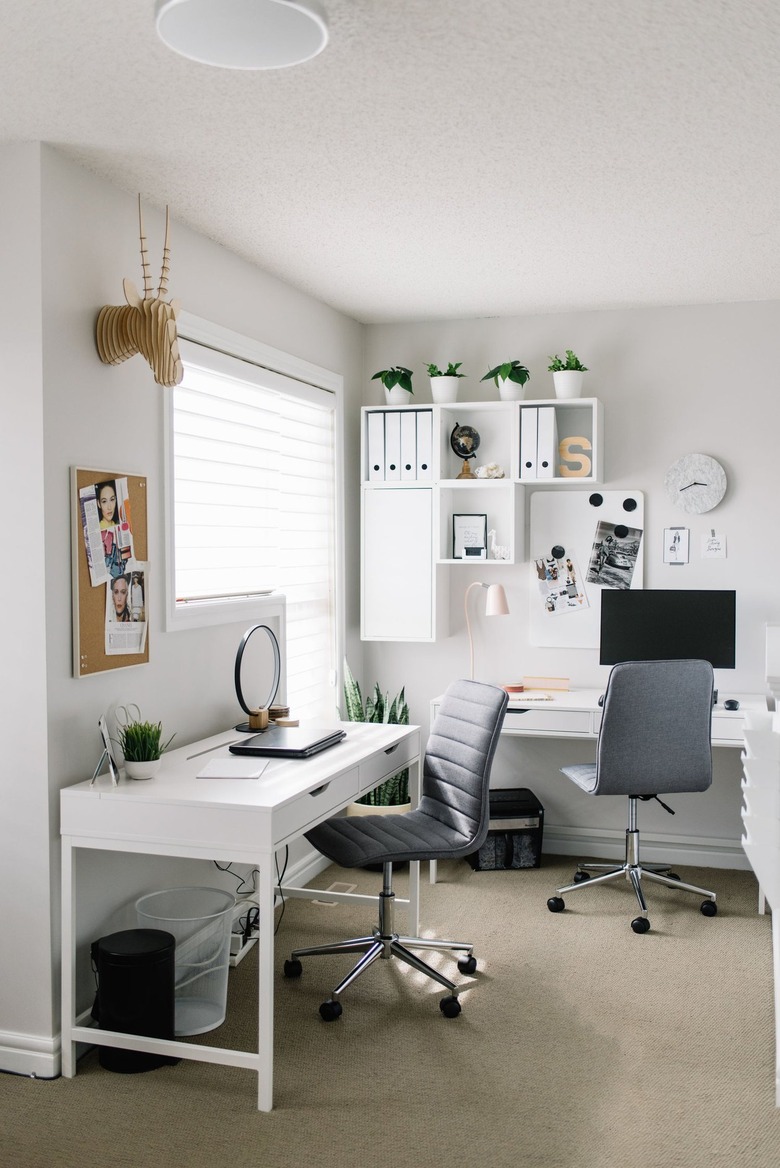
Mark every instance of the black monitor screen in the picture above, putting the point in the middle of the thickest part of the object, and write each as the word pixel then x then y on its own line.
pixel 668 625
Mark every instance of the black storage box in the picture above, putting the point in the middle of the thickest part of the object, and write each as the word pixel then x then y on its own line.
pixel 514 838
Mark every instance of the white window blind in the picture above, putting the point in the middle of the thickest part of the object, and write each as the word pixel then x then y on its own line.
pixel 254 504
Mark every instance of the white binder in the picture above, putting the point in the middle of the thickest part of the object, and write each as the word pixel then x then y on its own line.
pixel 529 421
pixel 424 443
pixel 375 446
pixel 409 445
pixel 392 446
pixel 546 443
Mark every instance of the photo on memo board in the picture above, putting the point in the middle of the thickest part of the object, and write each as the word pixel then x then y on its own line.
pixel 109 570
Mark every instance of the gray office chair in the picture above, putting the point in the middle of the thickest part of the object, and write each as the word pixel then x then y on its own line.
pixel 450 821
pixel 654 740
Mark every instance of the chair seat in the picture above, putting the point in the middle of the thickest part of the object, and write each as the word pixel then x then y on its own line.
pixel 583 774
pixel 377 839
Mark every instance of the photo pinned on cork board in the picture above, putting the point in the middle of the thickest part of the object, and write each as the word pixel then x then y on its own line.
pixel 109 570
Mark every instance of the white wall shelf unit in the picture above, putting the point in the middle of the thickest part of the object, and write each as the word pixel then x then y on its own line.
pixel 411 491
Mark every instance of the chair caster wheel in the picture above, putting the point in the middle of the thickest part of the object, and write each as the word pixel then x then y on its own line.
pixel 468 964
pixel 556 904
pixel 330 1011
pixel 293 968
pixel 581 877
pixel 450 1007
pixel 708 908
pixel 640 925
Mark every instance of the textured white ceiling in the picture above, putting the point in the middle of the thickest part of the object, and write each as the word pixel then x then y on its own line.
pixel 441 158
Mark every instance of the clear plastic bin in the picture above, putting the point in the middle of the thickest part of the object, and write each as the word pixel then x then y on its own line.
pixel 200 920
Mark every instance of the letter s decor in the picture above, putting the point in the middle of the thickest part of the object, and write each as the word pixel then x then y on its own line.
pixel 145 326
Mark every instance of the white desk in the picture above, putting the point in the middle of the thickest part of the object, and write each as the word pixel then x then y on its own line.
pixel 242 820
pixel 576 713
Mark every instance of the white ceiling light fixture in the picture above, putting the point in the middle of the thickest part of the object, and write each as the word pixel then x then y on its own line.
pixel 243 34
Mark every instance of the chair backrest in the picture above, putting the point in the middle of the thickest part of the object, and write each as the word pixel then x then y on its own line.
pixel 656 729
pixel 458 758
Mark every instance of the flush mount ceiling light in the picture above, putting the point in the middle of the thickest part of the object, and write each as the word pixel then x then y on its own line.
pixel 243 34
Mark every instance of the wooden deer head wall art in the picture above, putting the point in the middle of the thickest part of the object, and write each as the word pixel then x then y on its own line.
pixel 146 326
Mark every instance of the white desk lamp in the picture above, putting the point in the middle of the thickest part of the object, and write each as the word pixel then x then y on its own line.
pixel 495 605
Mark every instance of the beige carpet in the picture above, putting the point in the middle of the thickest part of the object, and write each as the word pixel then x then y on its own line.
pixel 580 1045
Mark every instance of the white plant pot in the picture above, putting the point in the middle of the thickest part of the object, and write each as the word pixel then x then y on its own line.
pixel 568 382
pixel 397 396
pixel 364 809
pixel 142 770
pixel 444 389
pixel 510 391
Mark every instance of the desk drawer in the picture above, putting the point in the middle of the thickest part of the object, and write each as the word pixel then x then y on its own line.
pixel 553 722
pixel 385 763
pixel 315 806
pixel 727 731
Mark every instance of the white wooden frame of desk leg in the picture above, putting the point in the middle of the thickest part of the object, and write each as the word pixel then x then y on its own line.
pixel 261 1062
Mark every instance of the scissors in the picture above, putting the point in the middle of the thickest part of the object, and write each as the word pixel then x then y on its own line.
pixel 126 715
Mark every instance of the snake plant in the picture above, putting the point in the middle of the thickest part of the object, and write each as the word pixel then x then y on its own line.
pixel 395 790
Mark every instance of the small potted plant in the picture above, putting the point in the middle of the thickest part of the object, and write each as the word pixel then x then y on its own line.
pixel 398 384
pixel 511 378
pixel 444 386
pixel 142 746
pixel 567 375
pixel 393 794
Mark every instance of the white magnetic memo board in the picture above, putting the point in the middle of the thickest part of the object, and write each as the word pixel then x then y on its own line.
pixel 569 520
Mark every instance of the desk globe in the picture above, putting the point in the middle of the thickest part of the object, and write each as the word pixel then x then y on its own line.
pixel 464 441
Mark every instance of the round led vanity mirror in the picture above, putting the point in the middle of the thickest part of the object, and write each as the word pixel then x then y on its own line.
pixel 254 666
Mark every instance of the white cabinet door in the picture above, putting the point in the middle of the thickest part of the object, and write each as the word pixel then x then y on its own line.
pixel 397 587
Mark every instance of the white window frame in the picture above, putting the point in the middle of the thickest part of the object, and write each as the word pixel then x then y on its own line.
pixel 274 362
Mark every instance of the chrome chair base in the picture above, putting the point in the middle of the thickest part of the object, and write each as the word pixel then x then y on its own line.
pixel 633 871
pixel 385 943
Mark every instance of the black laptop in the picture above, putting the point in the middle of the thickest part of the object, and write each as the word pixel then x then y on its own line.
pixel 289 742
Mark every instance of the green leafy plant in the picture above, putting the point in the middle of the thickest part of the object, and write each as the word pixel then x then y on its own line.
pixel 509 371
pixel 450 371
pixel 395 790
pixel 397 375
pixel 572 362
pixel 141 741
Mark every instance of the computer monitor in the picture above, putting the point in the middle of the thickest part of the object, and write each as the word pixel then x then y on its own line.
pixel 666 624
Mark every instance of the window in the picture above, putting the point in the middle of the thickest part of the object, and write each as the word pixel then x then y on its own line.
pixel 253 505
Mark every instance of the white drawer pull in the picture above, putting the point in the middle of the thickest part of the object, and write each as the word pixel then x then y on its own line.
pixel 392 749
pixel 319 790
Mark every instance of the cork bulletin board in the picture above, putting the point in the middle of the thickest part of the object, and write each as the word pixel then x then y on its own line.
pixel 110 570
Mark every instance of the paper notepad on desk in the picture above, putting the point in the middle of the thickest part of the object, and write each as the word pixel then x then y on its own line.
pixel 233 768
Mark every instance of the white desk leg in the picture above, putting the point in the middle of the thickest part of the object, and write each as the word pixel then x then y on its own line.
pixel 265 987
pixel 68 961
pixel 776 966
pixel 432 871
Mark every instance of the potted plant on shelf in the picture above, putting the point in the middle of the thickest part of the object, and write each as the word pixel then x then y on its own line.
pixel 444 386
pixel 511 378
pixel 398 384
pixel 393 794
pixel 567 375
pixel 142 746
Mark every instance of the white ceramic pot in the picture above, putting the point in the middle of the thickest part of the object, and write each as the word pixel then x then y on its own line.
pixel 510 391
pixel 397 396
pixel 364 809
pixel 142 770
pixel 568 382
pixel 444 389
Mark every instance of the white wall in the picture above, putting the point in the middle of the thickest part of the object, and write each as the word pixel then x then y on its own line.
pixel 68 240
pixel 672 380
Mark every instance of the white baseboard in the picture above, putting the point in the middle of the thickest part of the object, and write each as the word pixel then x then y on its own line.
pixel 30 1055
pixel 687 851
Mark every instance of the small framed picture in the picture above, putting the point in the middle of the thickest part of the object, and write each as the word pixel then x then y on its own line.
pixel 676 545
pixel 469 537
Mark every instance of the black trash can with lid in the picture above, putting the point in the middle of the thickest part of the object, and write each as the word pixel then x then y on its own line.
pixel 135 995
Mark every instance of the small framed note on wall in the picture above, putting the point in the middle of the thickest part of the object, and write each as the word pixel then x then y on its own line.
pixel 109 569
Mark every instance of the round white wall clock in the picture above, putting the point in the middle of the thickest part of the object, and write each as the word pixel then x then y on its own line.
pixel 695 483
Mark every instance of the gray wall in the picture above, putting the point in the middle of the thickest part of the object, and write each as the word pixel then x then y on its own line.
pixel 68 241
pixel 671 380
